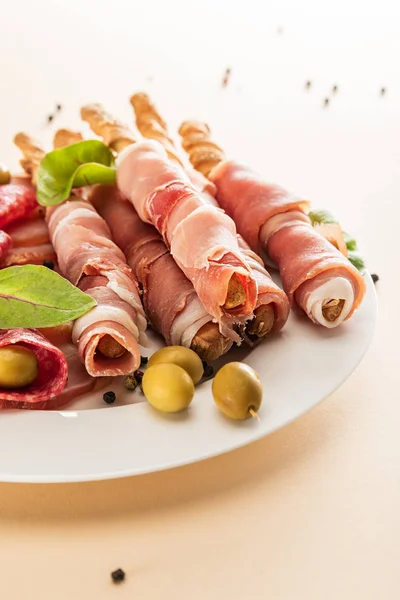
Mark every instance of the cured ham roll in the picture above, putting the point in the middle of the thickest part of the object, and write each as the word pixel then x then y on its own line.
pixel 52 371
pixel 30 241
pixel 317 278
pixel 201 238
pixel 169 299
pixel 178 313
pixel 107 337
pixel 272 305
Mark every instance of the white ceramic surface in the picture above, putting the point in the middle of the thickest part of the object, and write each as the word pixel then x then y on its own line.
pixel 92 440
pixel 264 117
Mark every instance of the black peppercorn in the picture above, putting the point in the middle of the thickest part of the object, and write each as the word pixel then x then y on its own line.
pixel 118 575
pixel 50 118
pixel 374 277
pixel 109 397
pixel 48 263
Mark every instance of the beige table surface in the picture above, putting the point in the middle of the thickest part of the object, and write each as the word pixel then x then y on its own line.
pixel 312 511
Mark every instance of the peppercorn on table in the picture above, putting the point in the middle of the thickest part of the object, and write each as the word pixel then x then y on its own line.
pixel 311 511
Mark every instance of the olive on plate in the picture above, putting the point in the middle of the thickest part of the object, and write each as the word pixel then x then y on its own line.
pixel 18 366
pixel 237 391
pixel 168 387
pixel 181 356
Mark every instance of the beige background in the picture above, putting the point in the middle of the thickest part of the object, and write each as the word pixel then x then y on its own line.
pixel 312 511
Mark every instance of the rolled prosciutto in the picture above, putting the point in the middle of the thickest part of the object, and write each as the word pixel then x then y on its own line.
pixel 202 238
pixel 170 301
pixel 317 278
pixel 52 371
pixel 30 241
pixel 107 337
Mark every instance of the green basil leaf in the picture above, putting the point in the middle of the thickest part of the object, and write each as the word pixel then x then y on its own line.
pixel 351 243
pixel 321 216
pixel 35 296
pixel 356 260
pixel 78 165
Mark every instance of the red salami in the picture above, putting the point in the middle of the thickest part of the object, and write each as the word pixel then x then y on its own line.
pixel 52 375
pixel 16 202
pixel 5 245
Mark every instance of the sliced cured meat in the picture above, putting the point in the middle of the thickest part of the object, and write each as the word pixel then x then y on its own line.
pixel 5 245
pixel 269 296
pixel 52 371
pixel 170 301
pixel 317 278
pixel 28 232
pixel 202 239
pixel 107 337
pixel 16 202
pixel 30 255
pixel 249 200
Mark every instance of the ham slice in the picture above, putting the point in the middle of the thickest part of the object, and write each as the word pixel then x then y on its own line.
pixel 89 258
pixel 30 240
pixel 16 202
pixel 269 293
pixel 169 299
pixel 317 278
pixel 249 200
pixel 52 371
pixel 202 239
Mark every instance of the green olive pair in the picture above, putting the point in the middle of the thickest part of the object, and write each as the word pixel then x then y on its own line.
pixel 172 373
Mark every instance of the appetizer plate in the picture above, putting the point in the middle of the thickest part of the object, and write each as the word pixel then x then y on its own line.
pixel 91 440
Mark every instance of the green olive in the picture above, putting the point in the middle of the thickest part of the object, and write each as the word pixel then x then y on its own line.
pixel 237 391
pixel 18 366
pixel 181 356
pixel 168 387
pixel 5 176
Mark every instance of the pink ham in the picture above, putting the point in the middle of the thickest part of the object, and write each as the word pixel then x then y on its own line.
pixel 154 268
pixel 52 371
pixel 249 200
pixel 268 291
pixel 306 260
pixel 30 240
pixel 314 273
pixel 90 259
pixel 16 202
pixel 202 239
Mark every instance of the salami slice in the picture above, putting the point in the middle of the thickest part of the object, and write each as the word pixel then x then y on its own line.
pixel 16 202
pixel 5 245
pixel 52 375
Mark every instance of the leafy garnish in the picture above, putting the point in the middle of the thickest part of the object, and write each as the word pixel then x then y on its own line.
pixel 324 216
pixel 35 296
pixel 321 216
pixel 356 260
pixel 78 165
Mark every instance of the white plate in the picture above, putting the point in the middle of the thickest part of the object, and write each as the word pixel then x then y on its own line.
pixel 91 440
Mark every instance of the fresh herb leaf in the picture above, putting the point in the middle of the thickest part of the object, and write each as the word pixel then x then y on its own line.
pixel 356 260
pixel 78 165
pixel 35 296
pixel 351 243
pixel 324 216
pixel 321 216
